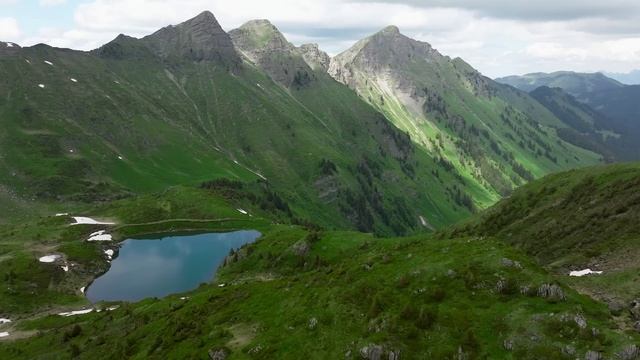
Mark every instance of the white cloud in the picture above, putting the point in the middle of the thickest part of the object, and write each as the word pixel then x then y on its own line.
pixel 9 29
pixel 498 37
pixel 46 3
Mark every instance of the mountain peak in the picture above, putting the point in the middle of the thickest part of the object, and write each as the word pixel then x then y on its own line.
pixel 198 39
pixel 390 30
pixel 259 34
pixel 205 16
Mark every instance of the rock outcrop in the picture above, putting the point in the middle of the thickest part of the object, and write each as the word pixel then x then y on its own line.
pixel 262 44
pixel 315 58
pixel 197 39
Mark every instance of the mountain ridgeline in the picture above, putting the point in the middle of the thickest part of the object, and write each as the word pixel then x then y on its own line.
pixel 415 141
pixel 612 109
pixel 186 106
pixel 494 136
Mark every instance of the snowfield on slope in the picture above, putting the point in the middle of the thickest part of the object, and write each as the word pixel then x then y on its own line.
pixel 584 272
pixel 49 258
pixel 87 220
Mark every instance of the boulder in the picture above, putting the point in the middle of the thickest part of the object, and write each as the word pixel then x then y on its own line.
pixel 630 352
pixel 301 248
pixel 372 352
pixel 592 355
pixel 634 309
pixel 615 307
pixel 551 291
pixel 218 354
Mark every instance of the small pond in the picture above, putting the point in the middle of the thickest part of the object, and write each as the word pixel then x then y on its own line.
pixel 165 264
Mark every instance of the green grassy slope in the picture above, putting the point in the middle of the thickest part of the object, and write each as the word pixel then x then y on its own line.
pixel 585 127
pixel 132 123
pixel 300 293
pixel 494 136
pixel 575 220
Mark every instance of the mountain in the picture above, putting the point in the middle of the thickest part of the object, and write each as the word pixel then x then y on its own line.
pixel 630 78
pixel 617 102
pixel 579 85
pixel 191 129
pixel 586 127
pixel 585 218
pixel 185 105
pixel 495 136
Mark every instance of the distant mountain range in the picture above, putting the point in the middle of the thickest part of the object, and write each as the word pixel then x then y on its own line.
pixel 616 105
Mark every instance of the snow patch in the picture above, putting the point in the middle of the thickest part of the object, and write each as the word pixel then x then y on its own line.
pixel 221 285
pixel 75 312
pixel 49 258
pixel 242 211
pixel 109 253
pixel 90 221
pixel 48 62
pixel 100 236
pixel 4 321
pixel 9 44
pixel 82 289
pixel 27 60
pixel 62 214
pixel 117 82
pixel 584 272
pixel 4 334
pixel 184 298
pixel 120 158
pixel 65 268
pixel 74 80
pixel 41 86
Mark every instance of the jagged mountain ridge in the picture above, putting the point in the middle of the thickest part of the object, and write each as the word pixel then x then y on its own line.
pixel 135 116
pixel 496 137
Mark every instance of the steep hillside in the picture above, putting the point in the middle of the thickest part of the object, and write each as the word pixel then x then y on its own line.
pixel 495 136
pixel 586 127
pixel 300 293
pixel 580 219
pixel 617 102
pixel 579 85
pixel 181 107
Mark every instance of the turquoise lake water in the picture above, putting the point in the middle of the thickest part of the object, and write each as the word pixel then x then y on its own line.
pixel 165 264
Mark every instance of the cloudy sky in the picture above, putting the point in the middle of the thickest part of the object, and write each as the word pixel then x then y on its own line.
pixel 499 37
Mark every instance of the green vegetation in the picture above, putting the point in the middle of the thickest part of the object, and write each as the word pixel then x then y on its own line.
pixel 580 219
pixel 493 136
pixel 298 292
pixel 130 125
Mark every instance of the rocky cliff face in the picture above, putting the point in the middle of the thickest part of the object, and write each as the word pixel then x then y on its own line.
pixel 197 39
pixel 315 58
pixel 261 43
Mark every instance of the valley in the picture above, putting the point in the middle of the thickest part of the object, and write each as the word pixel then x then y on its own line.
pixel 210 194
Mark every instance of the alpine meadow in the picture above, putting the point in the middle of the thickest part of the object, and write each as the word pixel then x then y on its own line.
pixel 190 192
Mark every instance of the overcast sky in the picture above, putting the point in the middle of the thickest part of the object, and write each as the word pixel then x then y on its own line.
pixel 498 37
